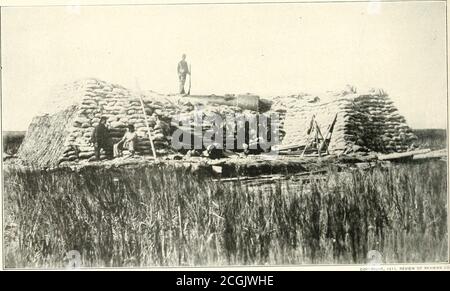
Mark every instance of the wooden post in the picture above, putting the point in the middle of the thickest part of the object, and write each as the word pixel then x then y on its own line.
pixel 190 80
pixel 327 138
pixel 146 121
pixel 310 129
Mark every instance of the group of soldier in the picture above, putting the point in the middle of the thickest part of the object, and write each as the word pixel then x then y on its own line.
pixel 101 139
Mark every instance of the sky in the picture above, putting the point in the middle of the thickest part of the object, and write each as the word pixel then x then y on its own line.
pixel 266 49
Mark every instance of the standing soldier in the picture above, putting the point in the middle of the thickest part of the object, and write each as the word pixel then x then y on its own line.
pixel 101 139
pixel 182 70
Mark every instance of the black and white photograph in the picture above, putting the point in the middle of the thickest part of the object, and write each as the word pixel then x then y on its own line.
pixel 222 135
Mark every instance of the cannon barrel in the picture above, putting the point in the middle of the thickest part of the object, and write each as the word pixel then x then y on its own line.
pixel 250 102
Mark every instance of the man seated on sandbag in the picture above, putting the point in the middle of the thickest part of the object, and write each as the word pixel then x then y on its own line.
pixel 128 141
pixel 101 139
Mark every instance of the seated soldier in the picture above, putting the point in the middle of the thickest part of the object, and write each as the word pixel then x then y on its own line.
pixel 213 151
pixel 127 142
pixel 254 146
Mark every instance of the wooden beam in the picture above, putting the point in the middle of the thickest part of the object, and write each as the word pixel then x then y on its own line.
pixel 395 156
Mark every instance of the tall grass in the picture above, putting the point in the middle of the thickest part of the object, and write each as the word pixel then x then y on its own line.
pixel 166 216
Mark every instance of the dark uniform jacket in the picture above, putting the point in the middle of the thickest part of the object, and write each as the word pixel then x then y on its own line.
pixel 100 135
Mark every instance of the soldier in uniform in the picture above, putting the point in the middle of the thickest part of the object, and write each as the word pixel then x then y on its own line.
pixel 182 70
pixel 101 139
pixel 128 142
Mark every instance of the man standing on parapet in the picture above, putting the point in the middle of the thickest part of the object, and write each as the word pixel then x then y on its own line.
pixel 101 139
pixel 182 70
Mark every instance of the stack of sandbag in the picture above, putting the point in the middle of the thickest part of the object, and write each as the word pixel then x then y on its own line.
pixel 282 104
pixel 364 121
pixel 385 130
pixel 95 99
pixel 121 107
pixel 300 115
pixel 367 120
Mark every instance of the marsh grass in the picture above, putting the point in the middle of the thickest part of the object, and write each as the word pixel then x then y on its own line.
pixel 165 216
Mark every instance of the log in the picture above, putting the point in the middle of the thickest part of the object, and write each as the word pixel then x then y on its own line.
pixel 396 156
pixel 287 147
pixel 431 155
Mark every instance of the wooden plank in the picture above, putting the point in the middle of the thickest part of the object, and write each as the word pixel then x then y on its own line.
pixel 395 156
pixel 273 177
pixel 431 155
pixel 287 147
